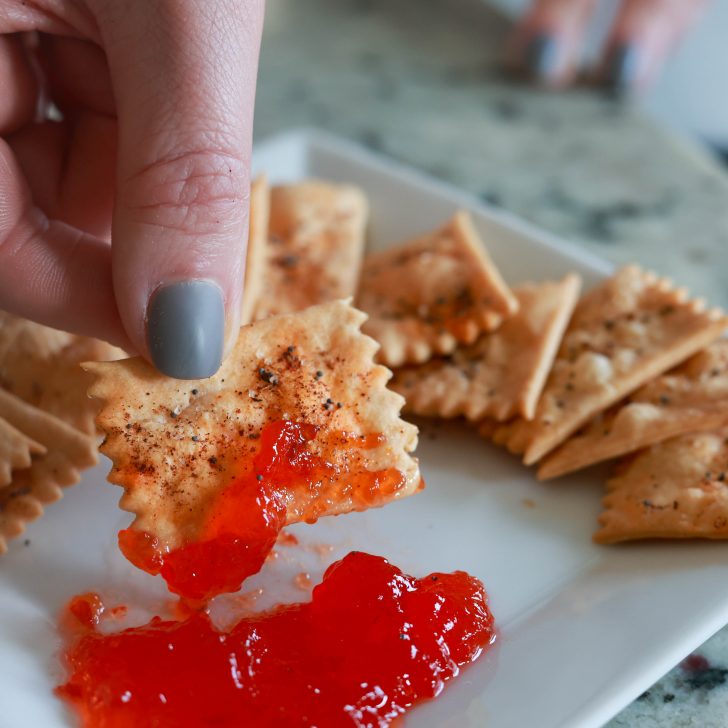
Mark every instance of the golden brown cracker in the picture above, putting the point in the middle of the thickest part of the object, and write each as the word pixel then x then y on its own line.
pixel 68 451
pixel 693 397
pixel 502 373
pixel 258 222
pixel 41 366
pixel 16 450
pixel 425 296
pixel 630 329
pixel 314 248
pixel 675 489
pixel 175 445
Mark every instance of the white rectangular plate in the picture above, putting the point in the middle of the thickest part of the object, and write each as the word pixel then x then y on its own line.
pixel 583 630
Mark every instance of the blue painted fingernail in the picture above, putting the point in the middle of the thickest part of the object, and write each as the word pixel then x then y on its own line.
pixel 621 72
pixel 186 329
pixel 541 57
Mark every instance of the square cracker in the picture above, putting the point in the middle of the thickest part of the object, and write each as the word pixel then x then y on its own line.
pixel 16 450
pixel 175 445
pixel 676 489
pixel 258 222
pixel 314 248
pixel 502 373
pixel 630 329
pixel 42 366
pixel 68 451
pixel 693 397
pixel 429 294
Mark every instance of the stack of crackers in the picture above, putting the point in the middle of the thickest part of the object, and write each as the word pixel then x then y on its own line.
pixel 633 370
pixel 47 431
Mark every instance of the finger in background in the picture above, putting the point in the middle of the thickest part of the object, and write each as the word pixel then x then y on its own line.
pixel 643 34
pixel 548 42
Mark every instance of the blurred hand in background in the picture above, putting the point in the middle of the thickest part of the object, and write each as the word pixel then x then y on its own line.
pixel 549 40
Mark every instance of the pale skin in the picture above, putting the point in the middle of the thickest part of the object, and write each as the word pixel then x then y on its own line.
pixel 154 148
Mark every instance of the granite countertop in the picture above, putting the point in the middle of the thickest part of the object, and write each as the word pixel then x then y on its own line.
pixel 421 82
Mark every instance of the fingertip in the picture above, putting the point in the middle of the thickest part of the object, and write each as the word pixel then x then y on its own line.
pixel 622 68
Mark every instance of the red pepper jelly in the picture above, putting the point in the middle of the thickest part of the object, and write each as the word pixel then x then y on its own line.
pixel 239 528
pixel 372 643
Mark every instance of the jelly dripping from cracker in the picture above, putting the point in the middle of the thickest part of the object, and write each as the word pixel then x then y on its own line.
pixel 241 526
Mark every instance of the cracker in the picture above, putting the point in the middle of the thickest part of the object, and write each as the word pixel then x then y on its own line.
pixel 41 366
pixel 16 450
pixel 693 397
pixel 314 248
pixel 68 451
pixel 502 373
pixel 630 329
pixel 676 489
pixel 258 221
pixel 429 294
pixel 175 445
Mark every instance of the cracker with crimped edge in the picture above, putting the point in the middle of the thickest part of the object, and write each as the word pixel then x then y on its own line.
pixel 314 247
pixel 675 489
pixel 175 445
pixel 16 451
pixel 431 293
pixel 628 330
pixel 68 452
pixel 502 373
pixel 693 397
pixel 42 366
pixel 258 221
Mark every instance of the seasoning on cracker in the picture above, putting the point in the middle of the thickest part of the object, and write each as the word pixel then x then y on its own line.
pixel 630 329
pixel 676 489
pixel 693 397
pixel 16 450
pixel 42 366
pixel 314 248
pixel 299 402
pixel 258 221
pixel 429 294
pixel 501 375
pixel 67 452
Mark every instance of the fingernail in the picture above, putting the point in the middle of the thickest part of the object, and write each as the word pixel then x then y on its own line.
pixel 621 73
pixel 541 57
pixel 186 329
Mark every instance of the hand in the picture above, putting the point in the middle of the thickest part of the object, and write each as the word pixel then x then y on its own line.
pixel 548 41
pixel 157 104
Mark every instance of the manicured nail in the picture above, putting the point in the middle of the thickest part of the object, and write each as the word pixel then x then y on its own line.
pixel 621 72
pixel 541 57
pixel 186 329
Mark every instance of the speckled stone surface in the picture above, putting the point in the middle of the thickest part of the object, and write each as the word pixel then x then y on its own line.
pixel 421 82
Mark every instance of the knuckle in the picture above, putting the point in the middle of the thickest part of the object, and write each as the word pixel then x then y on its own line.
pixel 195 191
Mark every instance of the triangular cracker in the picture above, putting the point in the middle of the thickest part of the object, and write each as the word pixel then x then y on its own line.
pixel 175 445
pixel 68 451
pixel 258 221
pixel 41 366
pixel 16 450
pixel 690 398
pixel 314 248
pixel 628 330
pixel 676 489
pixel 502 373
pixel 425 296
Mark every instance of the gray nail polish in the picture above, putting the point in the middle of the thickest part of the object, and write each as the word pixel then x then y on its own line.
pixel 186 329
pixel 622 68
pixel 541 57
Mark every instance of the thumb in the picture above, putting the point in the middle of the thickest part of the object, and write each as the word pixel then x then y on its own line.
pixel 183 74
